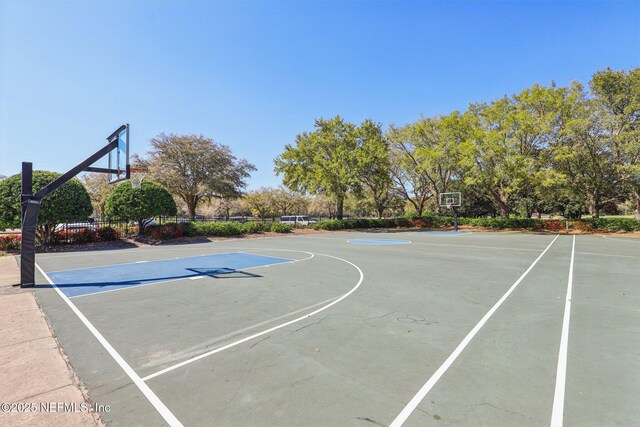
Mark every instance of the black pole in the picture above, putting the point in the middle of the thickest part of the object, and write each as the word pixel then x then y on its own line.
pixel 455 218
pixel 28 207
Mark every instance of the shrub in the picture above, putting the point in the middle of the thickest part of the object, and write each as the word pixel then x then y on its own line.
pixel 165 231
pixel 10 242
pixel 581 225
pixel 328 224
pixel 84 235
pixel 107 234
pixel 276 227
pixel 551 225
pixel 336 224
pixel 502 223
pixel 215 229
pixel 254 227
pixel 614 224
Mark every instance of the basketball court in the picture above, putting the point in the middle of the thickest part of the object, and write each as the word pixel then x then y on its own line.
pixel 355 328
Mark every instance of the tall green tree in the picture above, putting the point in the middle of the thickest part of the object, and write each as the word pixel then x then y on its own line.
pixel 617 96
pixel 140 204
pixel 410 179
pixel 195 168
pixel 375 165
pixel 323 161
pixel 581 152
pixel 426 157
pixel 68 203
pixel 509 140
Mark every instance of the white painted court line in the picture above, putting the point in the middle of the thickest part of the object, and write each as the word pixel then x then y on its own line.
pixel 441 233
pixel 138 262
pixel 477 247
pixel 413 403
pixel 259 334
pixel 144 388
pixel 627 239
pixel 557 415
pixel 607 255
pixel 235 333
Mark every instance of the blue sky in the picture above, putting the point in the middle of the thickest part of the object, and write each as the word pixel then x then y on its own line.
pixel 254 74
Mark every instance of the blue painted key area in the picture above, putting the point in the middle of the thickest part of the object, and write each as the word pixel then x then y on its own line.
pixel 93 280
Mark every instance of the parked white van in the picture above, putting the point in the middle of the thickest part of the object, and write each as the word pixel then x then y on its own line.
pixel 297 220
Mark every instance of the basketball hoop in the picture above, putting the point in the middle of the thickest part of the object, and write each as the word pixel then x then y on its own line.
pixel 449 203
pixel 452 201
pixel 137 175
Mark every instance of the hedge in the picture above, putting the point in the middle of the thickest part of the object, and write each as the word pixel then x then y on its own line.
pixel 212 229
pixel 533 224
pixel 10 242
pixel 344 224
pixel 613 224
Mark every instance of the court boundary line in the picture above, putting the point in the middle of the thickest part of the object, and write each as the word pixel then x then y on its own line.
pixel 436 244
pixel 138 262
pixel 435 377
pixel 442 233
pixel 557 413
pixel 233 334
pixel 626 239
pixel 395 242
pixel 259 334
pixel 162 409
pixel 608 255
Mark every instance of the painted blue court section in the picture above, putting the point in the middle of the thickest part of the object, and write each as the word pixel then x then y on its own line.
pixel 87 281
pixel 378 242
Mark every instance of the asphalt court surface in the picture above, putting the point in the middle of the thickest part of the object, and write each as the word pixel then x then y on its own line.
pixel 436 329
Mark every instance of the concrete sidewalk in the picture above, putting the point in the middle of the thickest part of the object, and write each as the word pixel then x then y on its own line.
pixel 38 386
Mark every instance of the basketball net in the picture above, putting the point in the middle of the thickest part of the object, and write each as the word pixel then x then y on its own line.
pixel 136 179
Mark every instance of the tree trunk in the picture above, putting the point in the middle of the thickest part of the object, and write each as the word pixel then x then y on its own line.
pixel 636 211
pixel 340 207
pixel 594 209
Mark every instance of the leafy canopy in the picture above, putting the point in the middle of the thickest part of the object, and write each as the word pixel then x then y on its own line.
pixel 323 161
pixel 139 204
pixel 68 203
pixel 195 168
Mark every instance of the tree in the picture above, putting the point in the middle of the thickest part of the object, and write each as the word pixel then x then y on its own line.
pixel 140 204
pixel 98 188
pixel 321 205
pixel 227 207
pixel 617 95
pixel 287 202
pixel 260 202
pixel 375 165
pixel 195 168
pixel 426 157
pixel 581 153
pixel 323 161
pixel 411 183
pixel 68 203
pixel 509 138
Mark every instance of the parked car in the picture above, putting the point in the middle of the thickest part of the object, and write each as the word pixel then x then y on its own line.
pixel 74 227
pixel 294 220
